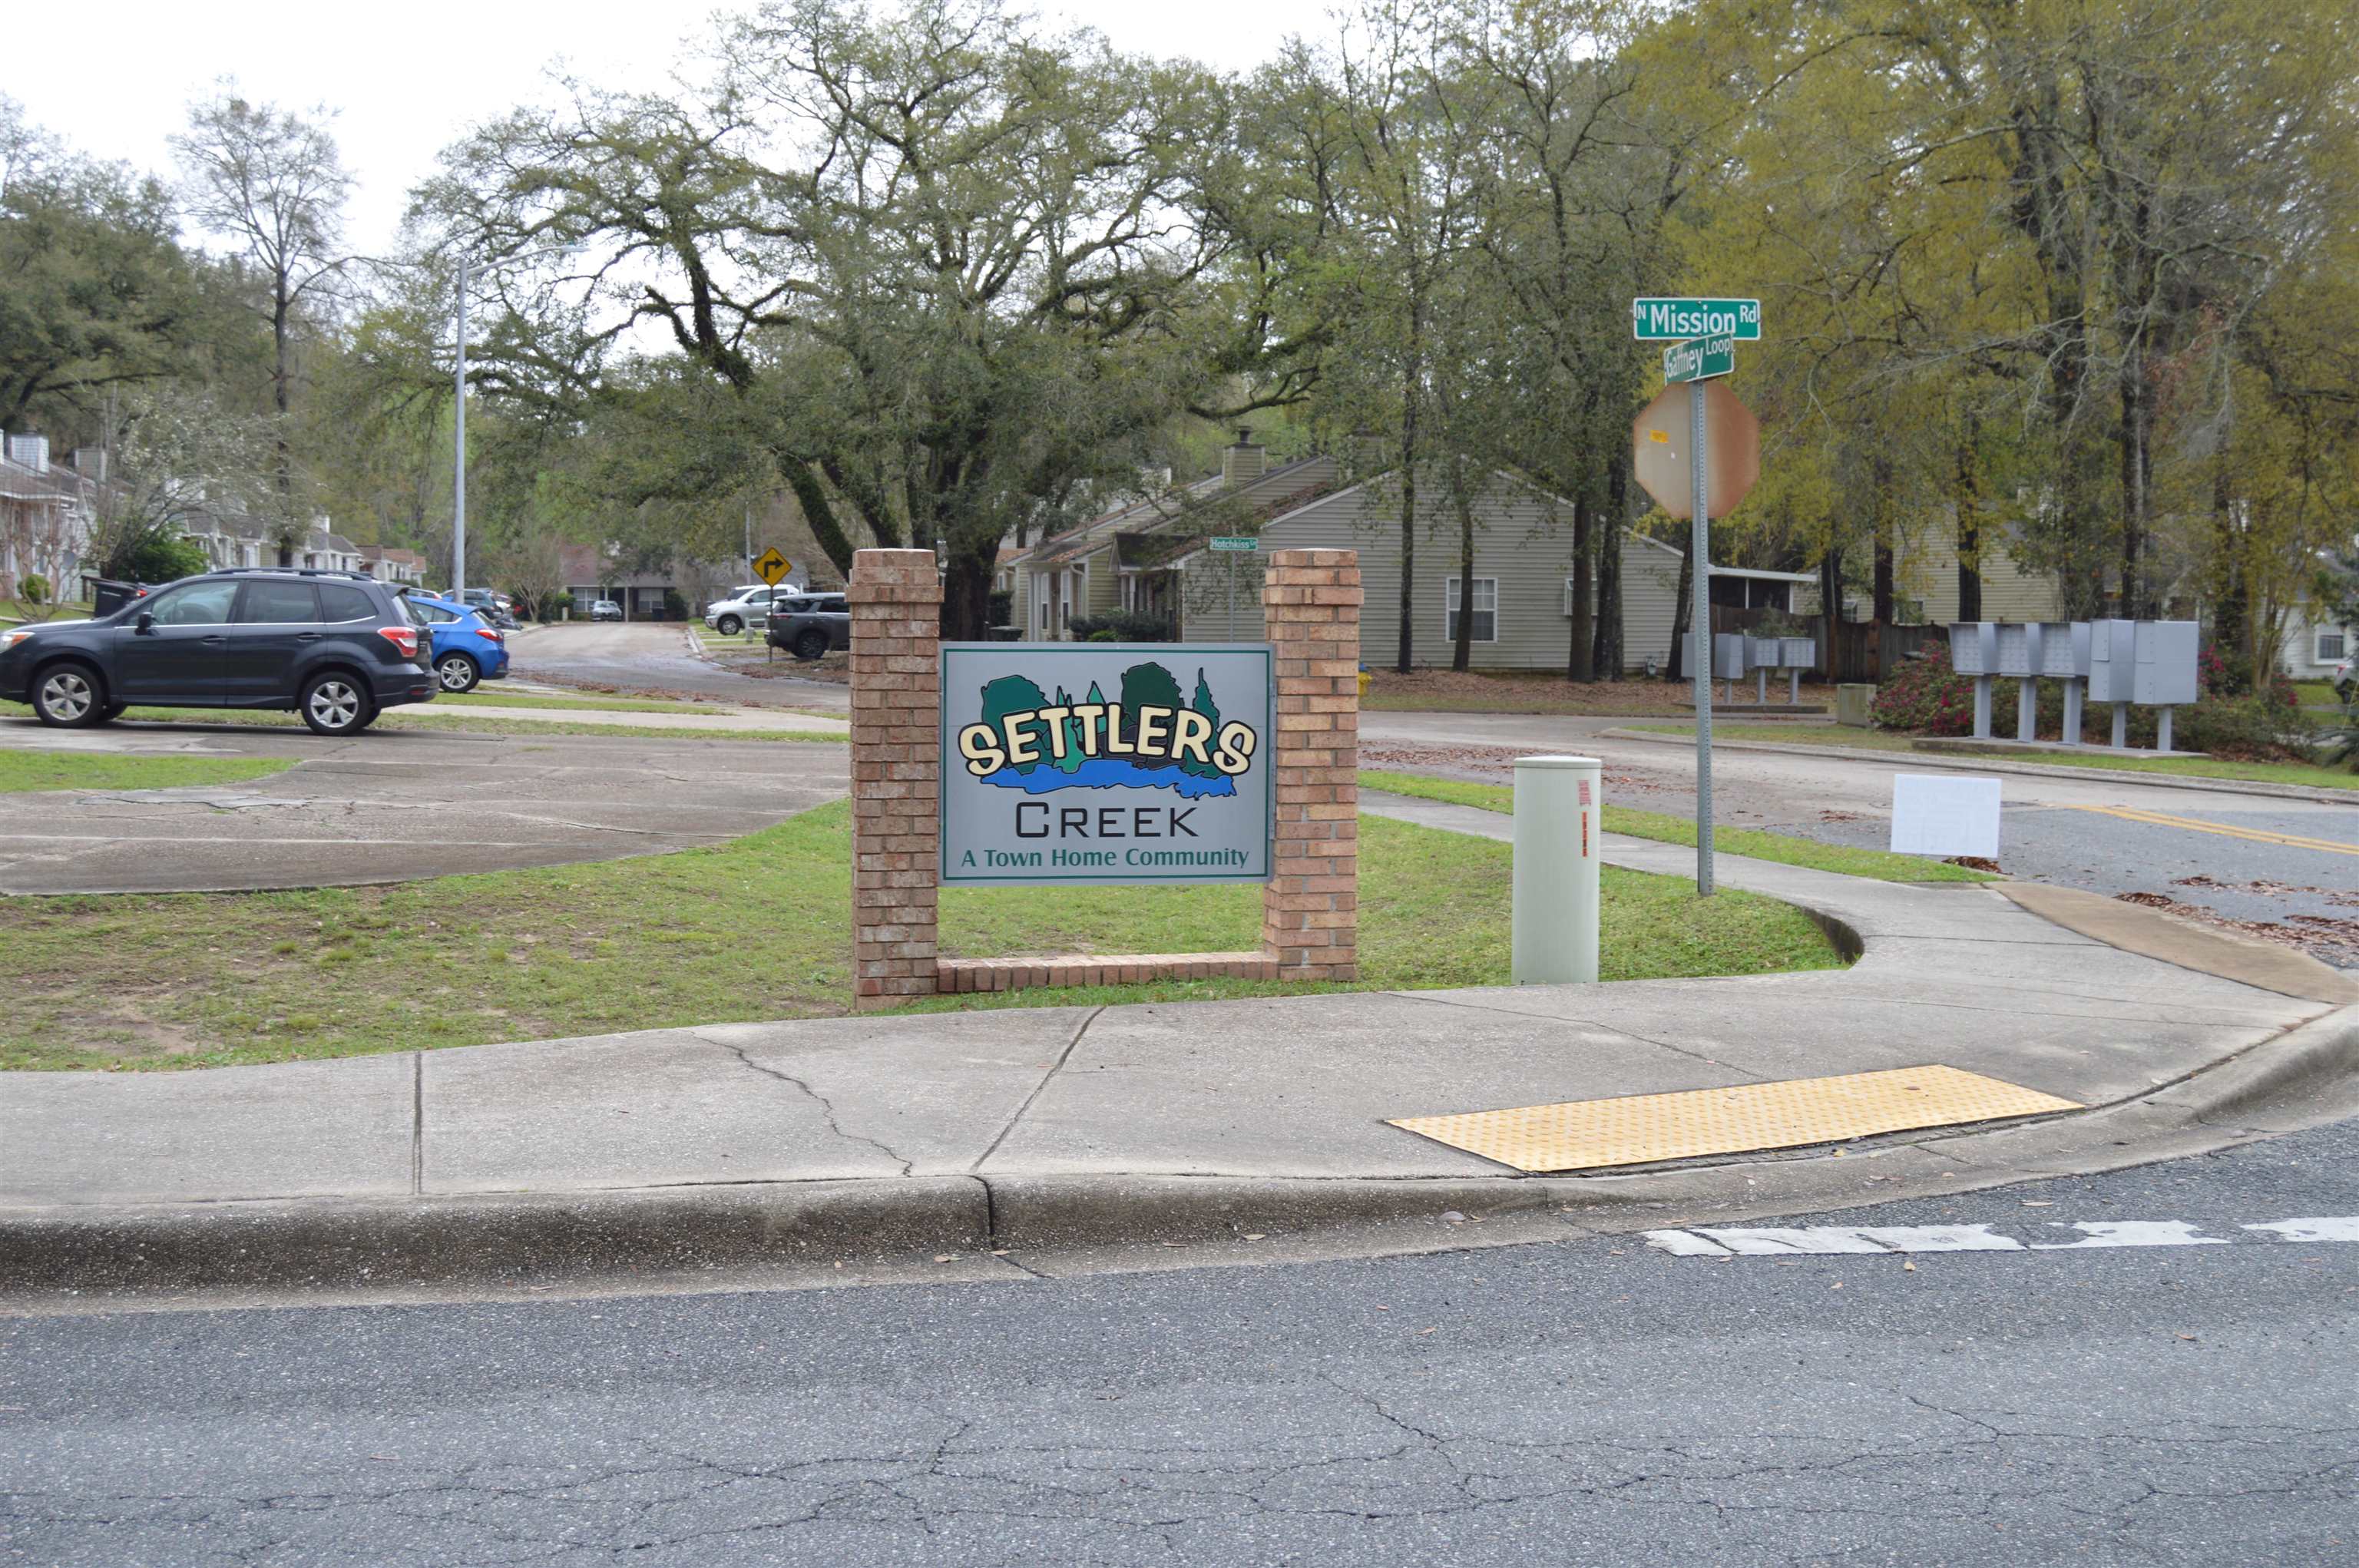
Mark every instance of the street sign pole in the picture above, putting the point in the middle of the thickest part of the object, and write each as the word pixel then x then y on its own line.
pixel 1700 619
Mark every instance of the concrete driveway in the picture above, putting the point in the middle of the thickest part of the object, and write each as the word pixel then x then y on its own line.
pixel 394 806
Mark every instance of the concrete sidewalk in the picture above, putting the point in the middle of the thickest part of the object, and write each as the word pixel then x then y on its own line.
pixel 694 1149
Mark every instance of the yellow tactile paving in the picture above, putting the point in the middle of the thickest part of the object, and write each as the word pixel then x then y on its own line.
pixel 1639 1129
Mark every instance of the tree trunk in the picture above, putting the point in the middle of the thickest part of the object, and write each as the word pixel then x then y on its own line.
pixel 1413 373
pixel 1681 616
pixel 1581 660
pixel 2232 593
pixel 1462 652
pixel 817 511
pixel 1969 532
pixel 966 589
pixel 1883 610
pixel 1607 654
pixel 1830 605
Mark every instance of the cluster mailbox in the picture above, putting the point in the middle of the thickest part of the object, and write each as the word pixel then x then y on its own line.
pixel 2151 663
pixel 1736 655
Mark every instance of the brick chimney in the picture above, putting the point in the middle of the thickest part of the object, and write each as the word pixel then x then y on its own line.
pixel 1243 462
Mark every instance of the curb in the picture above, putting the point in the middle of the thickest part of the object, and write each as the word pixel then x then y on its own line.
pixel 643 1239
pixel 1980 764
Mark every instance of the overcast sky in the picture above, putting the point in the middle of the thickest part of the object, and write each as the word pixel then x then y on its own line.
pixel 408 79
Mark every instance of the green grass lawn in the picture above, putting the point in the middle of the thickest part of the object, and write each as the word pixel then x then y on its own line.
pixel 1881 865
pixel 422 717
pixel 17 610
pixel 495 694
pixel 758 928
pixel 2309 775
pixel 24 770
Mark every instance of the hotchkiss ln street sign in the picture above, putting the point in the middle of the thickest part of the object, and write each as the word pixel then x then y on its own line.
pixel 1700 359
pixel 1106 762
pixel 1659 319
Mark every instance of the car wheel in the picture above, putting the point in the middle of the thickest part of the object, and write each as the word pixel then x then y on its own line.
pixel 729 625
pixel 67 695
pixel 335 704
pixel 458 672
pixel 810 646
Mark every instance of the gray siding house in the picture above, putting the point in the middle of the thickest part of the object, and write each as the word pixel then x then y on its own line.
pixel 1523 581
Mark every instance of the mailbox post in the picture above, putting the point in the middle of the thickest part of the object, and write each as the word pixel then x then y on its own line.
pixel 1974 650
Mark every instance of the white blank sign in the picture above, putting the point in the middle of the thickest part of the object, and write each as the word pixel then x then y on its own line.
pixel 1944 816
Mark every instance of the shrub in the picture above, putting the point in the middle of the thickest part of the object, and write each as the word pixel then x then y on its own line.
pixel 1121 625
pixel 158 558
pixel 1926 696
pixel 1002 607
pixel 34 589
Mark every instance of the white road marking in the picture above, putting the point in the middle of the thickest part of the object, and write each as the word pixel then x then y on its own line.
pixel 1773 1243
pixel 2128 1232
pixel 1795 1241
pixel 2312 1230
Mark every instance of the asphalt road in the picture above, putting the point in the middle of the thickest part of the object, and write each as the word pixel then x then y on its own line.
pixel 1596 1400
pixel 394 805
pixel 653 656
pixel 2095 830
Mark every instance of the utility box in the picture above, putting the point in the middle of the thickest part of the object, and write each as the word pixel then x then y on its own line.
pixel 1855 704
pixel 1559 838
pixel 2113 660
pixel 1973 648
pixel 2165 654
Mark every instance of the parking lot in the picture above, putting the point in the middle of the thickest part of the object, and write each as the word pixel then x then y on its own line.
pixel 391 806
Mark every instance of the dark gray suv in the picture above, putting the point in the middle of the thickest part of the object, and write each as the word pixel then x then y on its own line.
pixel 335 646
pixel 808 624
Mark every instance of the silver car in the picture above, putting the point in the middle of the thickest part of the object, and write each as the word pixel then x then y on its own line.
pixel 745 607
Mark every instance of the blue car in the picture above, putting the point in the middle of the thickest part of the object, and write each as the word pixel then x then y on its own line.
pixel 467 651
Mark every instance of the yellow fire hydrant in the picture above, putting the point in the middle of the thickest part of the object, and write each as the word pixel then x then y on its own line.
pixel 1364 680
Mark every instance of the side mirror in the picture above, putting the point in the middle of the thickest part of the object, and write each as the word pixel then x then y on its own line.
pixel 145 623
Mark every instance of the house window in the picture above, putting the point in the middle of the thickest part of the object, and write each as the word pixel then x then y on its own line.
pixel 2331 647
pixel 1487 609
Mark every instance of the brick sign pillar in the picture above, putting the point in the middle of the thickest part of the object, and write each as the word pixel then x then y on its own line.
pixel 896 600
pixel 1311 914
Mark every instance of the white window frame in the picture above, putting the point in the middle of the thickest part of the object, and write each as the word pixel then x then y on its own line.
pixel 2318 645
pixel 1450 608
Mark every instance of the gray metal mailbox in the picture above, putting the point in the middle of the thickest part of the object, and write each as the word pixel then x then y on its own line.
pixel 2165 654
pixel 1973 648
pixel 2113 660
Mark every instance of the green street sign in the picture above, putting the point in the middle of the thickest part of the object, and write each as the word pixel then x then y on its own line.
pixel 1244 543
pixel 1700 359
pixel 1660 320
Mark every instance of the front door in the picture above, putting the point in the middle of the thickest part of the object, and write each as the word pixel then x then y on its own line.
pixel 178 660
pixel 278 619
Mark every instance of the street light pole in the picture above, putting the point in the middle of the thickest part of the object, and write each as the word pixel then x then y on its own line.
pixel 459 423
pixel 459 469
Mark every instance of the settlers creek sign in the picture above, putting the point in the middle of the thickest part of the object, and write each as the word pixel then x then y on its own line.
pixel 1106 762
